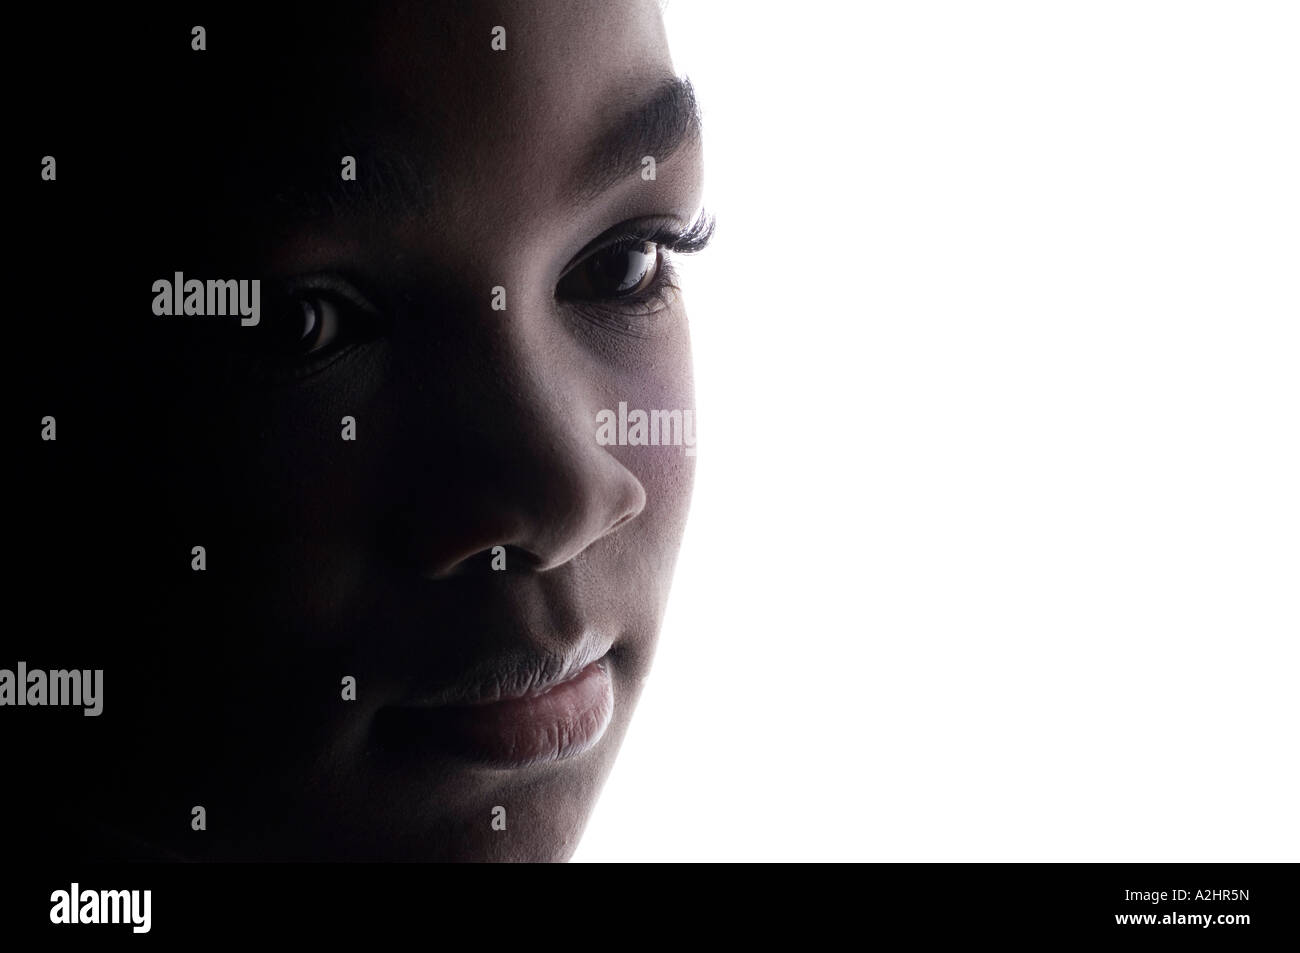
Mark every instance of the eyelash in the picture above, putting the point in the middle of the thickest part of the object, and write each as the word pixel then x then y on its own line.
pixel 694 238
pixel 628 314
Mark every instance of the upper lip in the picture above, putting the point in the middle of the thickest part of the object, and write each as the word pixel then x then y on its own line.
pixel 525 673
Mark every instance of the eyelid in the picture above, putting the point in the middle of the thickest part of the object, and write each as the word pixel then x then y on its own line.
pixel 636 315
pixel 331 283
pixel 665 231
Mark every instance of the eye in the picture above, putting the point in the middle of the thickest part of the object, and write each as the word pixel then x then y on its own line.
pixel 623 270
pixel 317 326
pixel 311 322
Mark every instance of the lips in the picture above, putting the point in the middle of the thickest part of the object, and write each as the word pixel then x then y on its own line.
pixel 551 722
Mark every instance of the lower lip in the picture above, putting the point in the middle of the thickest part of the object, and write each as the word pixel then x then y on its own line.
pixel 562 722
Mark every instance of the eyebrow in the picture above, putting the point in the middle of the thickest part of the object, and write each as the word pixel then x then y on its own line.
pixel 657 127
pixel 391 185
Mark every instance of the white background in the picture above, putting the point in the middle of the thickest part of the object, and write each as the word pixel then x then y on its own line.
pixel 995 546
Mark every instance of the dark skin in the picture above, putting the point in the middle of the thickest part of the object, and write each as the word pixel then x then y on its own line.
pixel 475 428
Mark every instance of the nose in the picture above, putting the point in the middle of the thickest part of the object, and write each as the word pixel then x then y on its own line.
pixel 546 504
pixel 518 466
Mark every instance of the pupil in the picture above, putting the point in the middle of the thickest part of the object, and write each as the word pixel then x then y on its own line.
pixel 628 267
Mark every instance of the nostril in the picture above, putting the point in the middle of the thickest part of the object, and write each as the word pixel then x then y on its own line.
pixel 513 557
pixel 619 522
pixel 499 557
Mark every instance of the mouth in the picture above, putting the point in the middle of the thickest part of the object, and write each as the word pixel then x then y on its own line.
pixel 512 723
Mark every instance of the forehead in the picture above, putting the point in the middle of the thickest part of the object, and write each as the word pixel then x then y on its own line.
pixel 563 60
pixel 525 113
pixel 439 116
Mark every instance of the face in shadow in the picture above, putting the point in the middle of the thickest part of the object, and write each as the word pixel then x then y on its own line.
pixel 431 586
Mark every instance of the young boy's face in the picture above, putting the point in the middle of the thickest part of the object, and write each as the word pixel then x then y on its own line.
pixel 437 340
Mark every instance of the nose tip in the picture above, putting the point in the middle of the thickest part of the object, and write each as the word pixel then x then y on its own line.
pixel 542 509
pixel 554 542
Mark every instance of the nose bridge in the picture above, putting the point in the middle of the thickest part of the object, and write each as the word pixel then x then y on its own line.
pixel 532 475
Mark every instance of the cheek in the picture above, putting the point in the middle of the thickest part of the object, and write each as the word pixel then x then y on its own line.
pixel 654 424
pixel 652 402
pixel 294 462
pixel 281 500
